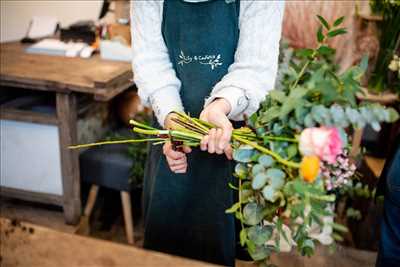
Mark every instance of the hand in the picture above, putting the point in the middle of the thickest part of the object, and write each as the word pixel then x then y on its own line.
pixel 177 161
pixel 218 140
pixel 168 122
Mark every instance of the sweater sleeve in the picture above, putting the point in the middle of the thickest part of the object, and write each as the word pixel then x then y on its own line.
pixel 254 70
pixel 153 72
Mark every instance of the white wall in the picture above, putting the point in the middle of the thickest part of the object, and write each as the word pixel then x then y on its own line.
pixel 16 14
pixel 30 157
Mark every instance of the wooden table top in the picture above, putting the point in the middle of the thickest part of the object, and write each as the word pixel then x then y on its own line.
pixel 102 78
pixel 25 244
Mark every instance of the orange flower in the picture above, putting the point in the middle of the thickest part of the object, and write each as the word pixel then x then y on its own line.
pixel 309 168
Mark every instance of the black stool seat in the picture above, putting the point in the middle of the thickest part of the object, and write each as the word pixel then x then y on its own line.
pixel 107 166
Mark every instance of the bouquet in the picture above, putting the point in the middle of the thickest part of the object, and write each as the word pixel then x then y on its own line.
pixel 293 154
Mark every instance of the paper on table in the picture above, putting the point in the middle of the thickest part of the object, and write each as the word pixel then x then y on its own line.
pixel 56 47
pixel 42 26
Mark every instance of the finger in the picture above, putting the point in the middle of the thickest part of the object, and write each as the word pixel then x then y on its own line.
pixel 177 162
pixel 186 149
pixel 211 140
pixel 226 135
pixel 218 136
pixel 203 116
pixel 228 152
pixel 179 169
pixel 174 165
pixel 166 146
pixel 170 153
pixel 204 143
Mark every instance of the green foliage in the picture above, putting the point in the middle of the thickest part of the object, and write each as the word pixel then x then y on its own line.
pixel 243 154
pixel 276 205
pixel 389 38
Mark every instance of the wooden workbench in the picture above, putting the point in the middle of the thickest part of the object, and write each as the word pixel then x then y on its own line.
pixel 65 77
pixel 24 244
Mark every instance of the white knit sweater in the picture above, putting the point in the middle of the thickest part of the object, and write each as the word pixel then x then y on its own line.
pixel 249 77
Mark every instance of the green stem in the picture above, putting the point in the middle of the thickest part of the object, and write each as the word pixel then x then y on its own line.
pixel 240 202
pixel 192 135
pixel 300 75
pixel 150 132
pixel 278 138
pixel 268 152
pixel 141 125
pixel 116 142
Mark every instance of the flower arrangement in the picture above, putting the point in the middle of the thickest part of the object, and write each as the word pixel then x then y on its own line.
pixel 293 153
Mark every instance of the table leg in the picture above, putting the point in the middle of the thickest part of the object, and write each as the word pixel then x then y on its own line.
pixel 67 121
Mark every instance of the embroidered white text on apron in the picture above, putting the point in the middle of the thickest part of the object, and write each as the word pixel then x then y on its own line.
pixel 213 60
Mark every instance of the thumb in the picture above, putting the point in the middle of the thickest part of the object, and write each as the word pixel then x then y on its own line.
pixel 186 149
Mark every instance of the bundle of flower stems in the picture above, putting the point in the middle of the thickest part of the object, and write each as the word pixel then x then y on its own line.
pixel 190 131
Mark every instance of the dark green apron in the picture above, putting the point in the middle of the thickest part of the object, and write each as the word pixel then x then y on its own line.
pixel 185 213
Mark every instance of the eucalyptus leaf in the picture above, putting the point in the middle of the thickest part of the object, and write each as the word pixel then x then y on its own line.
pixel 293 124
pixel 241 170
pixel 319 113
pixel 274 172
pixel 269 193
pixel 259 181
pixel 338 115
pixel 300 113
pixel 266 160
pixel 276 130
pixel 245 195
pixel 366 114
pixel 252 213
pixel 277 182
pixel 243 154
pixel 259 234
pixel 380 113
pixel 260 252
pixel 376 126
pixel 343 136
pixel 309 121
pixel 352 115
pixel 257 169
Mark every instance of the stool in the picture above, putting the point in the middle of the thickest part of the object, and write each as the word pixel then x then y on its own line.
pixel 108 166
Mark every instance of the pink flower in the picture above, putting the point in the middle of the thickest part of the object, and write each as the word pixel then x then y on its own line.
pixel 324 142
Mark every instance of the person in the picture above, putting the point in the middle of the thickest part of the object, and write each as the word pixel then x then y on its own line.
pixel 215 59
pixel 389 186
